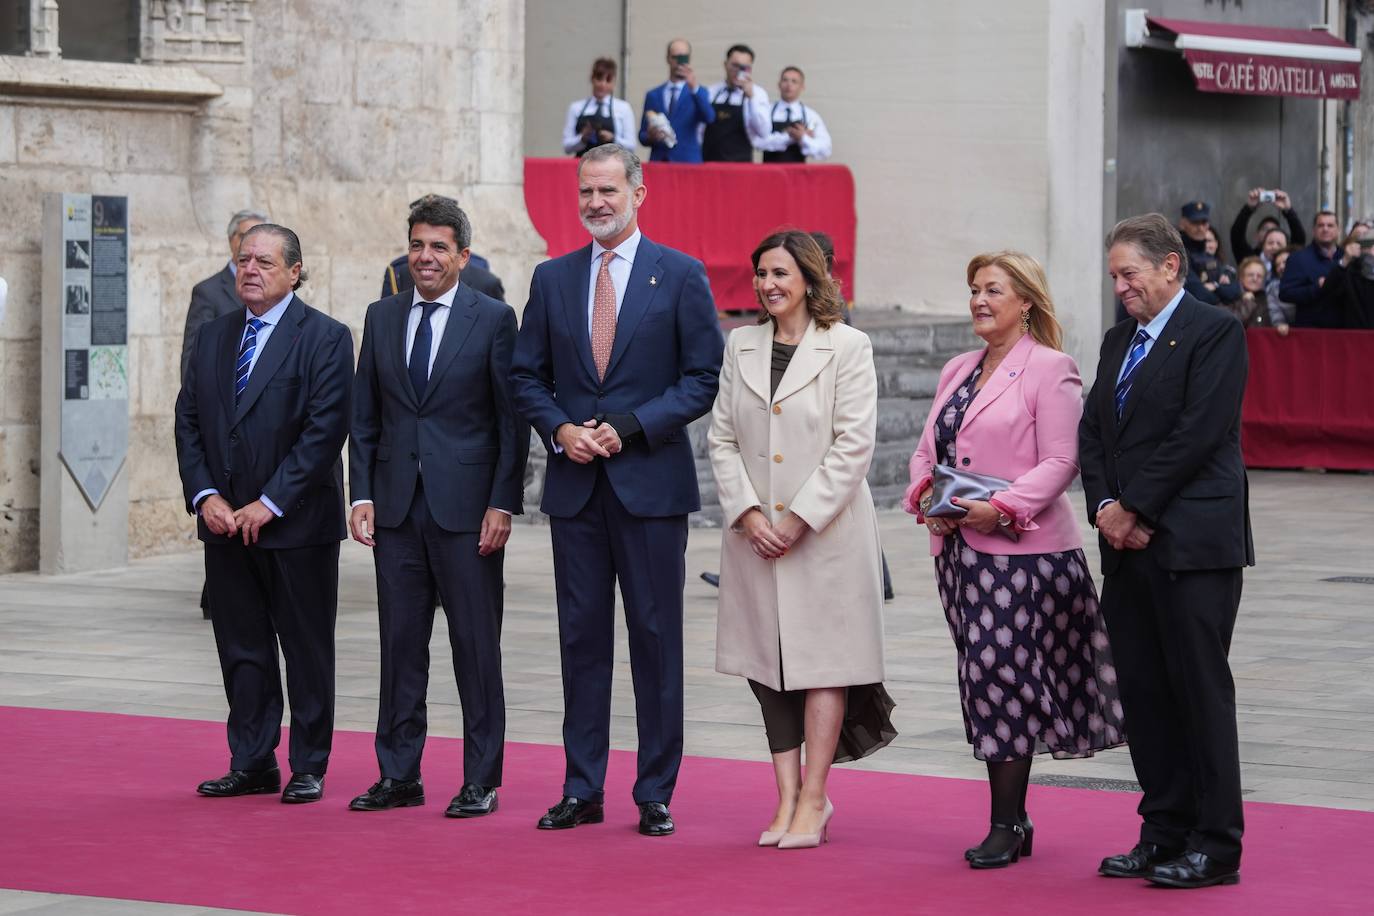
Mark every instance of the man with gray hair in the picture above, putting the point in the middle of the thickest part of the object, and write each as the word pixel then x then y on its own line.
pixel 210 298
pixel 1159 448
pixel 619 351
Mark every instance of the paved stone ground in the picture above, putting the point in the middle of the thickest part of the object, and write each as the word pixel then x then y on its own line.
pixel 132 641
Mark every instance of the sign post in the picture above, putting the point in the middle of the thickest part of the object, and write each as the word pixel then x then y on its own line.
pixel 84 505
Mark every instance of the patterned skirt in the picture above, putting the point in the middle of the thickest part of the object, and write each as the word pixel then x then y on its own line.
pixel 1035 666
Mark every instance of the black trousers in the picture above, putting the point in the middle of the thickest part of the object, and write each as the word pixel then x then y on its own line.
pixel 1170 635
pixel 263 597
pixel 599 546
pixel 417 562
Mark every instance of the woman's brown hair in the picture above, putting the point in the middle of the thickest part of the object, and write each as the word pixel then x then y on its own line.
pixel 1027 281
pixel 823 300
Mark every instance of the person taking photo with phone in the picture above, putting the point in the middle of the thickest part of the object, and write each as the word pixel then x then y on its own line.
pixel 741 111
pixel 674 111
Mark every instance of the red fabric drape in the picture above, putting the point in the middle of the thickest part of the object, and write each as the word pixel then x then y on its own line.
pixel 1309 401
pixel 716 212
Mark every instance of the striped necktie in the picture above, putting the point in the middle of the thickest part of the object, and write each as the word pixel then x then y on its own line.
pixel 1123 387
pixel 246 351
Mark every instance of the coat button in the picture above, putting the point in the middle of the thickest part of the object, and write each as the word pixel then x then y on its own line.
pixel 777 408
pixel 777 459
pixel 965 461
pixel 600 395
pixel 412 455
pixel 779 506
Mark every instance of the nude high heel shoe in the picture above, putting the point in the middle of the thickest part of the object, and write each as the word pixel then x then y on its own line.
pixel 771 837
pixel 809 840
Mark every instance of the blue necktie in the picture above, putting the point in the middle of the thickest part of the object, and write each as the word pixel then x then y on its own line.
pixel 245 361
pixel 1137 353
pixel 419 351
pixel 672 101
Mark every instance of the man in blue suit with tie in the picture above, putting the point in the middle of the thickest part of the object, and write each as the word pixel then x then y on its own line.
pixel 620 349
pixel 686 105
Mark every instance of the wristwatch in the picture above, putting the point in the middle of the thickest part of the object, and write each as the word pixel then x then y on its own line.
pixel 1003 521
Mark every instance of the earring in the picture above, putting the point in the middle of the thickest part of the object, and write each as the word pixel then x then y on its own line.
pixel 810 292
pixel 1025 321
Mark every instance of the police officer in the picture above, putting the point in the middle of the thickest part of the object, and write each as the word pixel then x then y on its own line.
pixel 601 117
pixel 797 131
pixel 741 110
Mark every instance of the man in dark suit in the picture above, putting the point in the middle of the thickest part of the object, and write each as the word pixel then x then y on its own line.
pixel 619 350
pixel 436 469
pixel 1159 447
pixel 210 298
pixel 686 105
pixel 260 424
pixel 476 274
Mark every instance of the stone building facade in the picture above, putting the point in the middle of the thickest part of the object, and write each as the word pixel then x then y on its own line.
pixel 330 115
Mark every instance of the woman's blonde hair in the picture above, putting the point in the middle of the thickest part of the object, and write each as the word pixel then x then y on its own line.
pixel 1027 281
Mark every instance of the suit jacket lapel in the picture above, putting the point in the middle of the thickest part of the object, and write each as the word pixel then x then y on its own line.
pixel 756 359
pixel 813 353
pixel 1006 373
pixel 228 360
pixel 282 339
pixel 462 318
pixel 645 277
pixel 576 282
pixel 397 325
pixel 1159 354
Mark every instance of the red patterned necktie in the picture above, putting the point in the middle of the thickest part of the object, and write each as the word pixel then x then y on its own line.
pixel 603 316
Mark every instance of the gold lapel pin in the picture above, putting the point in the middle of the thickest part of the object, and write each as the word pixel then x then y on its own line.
pixel 653 281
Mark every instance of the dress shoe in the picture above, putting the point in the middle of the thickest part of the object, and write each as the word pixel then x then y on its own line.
pixel 1137 862
pixel 1002 847
pixel 1026 826
pixel 792 840
pixel 472 801
pixel 242 782
pixel 390 793
pixel 1193 869
pixel 303 787
pixel 655 819
pixel 572 812
pixel 771 837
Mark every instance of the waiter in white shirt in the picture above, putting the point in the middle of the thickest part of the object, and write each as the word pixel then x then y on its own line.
pixel 600 117
pixel 741 111
pixel 798 133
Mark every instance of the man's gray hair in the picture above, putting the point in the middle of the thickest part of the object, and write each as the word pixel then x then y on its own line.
pixel 1153 236
pixel 243 215
pixel 634 169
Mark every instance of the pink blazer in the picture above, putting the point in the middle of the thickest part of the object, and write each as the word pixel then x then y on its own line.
pixel 1022 427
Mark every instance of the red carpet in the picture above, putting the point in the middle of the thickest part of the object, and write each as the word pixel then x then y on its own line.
pixel 103 805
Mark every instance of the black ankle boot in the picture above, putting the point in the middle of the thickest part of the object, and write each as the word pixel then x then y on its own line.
pixel 1026 826
pixel 1001 848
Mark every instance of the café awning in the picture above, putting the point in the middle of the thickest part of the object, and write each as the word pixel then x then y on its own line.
pixel 1253 60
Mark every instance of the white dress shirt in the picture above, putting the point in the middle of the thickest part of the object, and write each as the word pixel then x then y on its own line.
pixel 620 267
pixel 815 145
pixel 756 123
pixel 621 115
pixel 269 320
pixel 438 320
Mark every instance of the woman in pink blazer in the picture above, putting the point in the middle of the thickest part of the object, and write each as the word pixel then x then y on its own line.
pixel 1034 664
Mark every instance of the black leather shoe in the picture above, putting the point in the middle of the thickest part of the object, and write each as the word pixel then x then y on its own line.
pixel 1001 848
pixel 711 579
pixel 472 801
pixel 572 812
pixel 390 793
pixel 242 782
pixel 1026 845
pixel 1137 862
pixel 655 819
pixel 303 787
pixel 1193 869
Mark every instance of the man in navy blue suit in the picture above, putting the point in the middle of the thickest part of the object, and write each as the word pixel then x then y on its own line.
pixel 684 102
pixel 620 349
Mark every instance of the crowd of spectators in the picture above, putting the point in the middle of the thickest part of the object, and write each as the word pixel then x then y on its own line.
pixel 684 121
pixel 1281 281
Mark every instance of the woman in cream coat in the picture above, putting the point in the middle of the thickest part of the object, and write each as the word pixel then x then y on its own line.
pixel 792 436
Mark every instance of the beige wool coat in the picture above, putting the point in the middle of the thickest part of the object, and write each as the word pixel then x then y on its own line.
pixel 812 618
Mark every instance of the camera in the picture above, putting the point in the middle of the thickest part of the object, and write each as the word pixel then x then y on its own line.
pixel 1266 197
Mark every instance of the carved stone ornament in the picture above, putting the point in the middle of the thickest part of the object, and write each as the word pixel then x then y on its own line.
pixel 206 31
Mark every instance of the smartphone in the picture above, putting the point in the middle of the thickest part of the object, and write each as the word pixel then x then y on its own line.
pixel 744 68
pixel 1266 197
pixel 682 59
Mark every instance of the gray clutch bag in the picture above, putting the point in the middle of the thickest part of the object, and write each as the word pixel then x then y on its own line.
pixel 947 484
